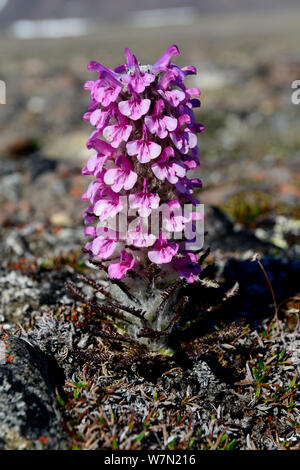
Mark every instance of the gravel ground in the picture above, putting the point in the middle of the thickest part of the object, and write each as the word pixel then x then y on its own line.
pixel 239 387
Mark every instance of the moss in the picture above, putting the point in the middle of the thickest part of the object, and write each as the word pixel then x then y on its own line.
pixel 247 208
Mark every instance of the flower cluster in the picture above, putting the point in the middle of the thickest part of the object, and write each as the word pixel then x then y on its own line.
pixel 144 142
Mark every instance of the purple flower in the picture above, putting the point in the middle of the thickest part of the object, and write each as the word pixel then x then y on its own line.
pixel 190 161
pixel 94 166
pixel 88 215
pixel 163 251
pixel 176 222
pixel 117 133
pixel 139 236
pixel 138 80
pixel 173 97
pixel 106 208
pixel 134 108
pixel 105 90
pixel 183 138
pixel 164 169
pixel 118 270
pixel 99 118
pixel 159 124
pixel 122 177
pixel 102 148
pixel 187 267
pixel 165 60
pixel 186 187
pixel 94 191
pixel 104 245
pixel 144 149
pixel 144 201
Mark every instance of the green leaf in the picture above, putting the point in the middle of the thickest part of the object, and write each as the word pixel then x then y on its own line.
pixel 231 444
pixel 114 444
pixel 140 436
pixel 261 363
pixel 76 393
pixel 192 444
pixel 60 401
pixel 281 355
pixel 256 374
pixel 293 383
pixel 172 444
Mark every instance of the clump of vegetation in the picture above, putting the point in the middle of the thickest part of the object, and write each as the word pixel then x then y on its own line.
pixel 154 283
pixel 248 207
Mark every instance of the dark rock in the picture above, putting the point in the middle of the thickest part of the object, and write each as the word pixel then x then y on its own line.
pixel 254 298
pixel 29 416
pixel 223 233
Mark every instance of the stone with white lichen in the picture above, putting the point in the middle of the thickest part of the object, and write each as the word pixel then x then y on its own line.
pixel 29 415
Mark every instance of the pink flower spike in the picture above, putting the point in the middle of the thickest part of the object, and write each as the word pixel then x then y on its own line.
pixel 143 148
pixel 187 267
pixel 134 108
pixel 163 251
pixel 144 201
pixel 166 170
pixel 165 60
pixel 145 143
pixel 122 177
pixel 118 270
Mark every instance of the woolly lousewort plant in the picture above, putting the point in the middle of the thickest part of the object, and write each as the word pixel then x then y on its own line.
pixel 143 220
